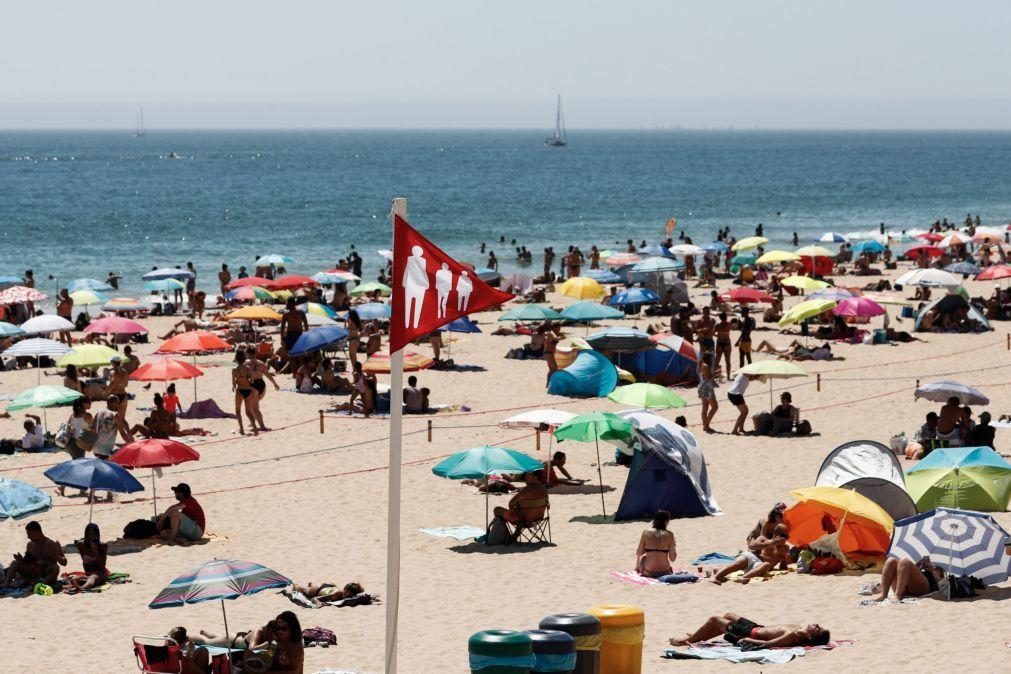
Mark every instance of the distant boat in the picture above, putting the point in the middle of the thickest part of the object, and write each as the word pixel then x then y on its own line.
pixel 139 133
pixel 558 140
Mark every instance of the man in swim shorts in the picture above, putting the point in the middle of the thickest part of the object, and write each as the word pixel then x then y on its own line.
pixel 744 632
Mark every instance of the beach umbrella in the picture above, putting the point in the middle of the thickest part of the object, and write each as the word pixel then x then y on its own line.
pixel 343 274
pixel 165 369
pixel 955 239
pixel 372 311
pixel 858 306
pixel 777 256
pixel 805 310
pixel 653 249
pixel 882 298
pixel 91 284
pixel 772 369
pixel 18 294
pixel 620 340
pixel 871 246
pixel 249 281
pixel 11 280
pixel 531 312
pixel 117 304
pixel 804 283
pixel 988 235
pixel 621 259
pixel 37 346
pixel 746 296
pixel 595 426
pixel 997 271
pixel 379 363
pixel 961 477
pixel 89 356
pixel 602 276
pixel 537 418
pixel 462 324
pixel 862 525
pixel 317 309
pixel 831 293
pixel 586 312
pixel 940 391
pixel 254 313
pixel 164 285
pixel 749 242
pixel 316 321
pixel 250 294
pixel 218 580
pixel 581 288
pixel 292 281
pixel 832 237
pixel 388 254
pixel 677 343
pixel 10 330
pixel 814 251
pixel 115 325
pixel 87 298
pixel 634 296
pixel 371 287
pixel 657 265
pixel 963 268
pixel 45 324
pixel 646 396
pixel 167 272
pixel 744 259
pixel 685 249
pixel 273 259
pixel 317 339
pixel 19 499
pixel 932 237
pixel 715 247
pixel 195 341
pixel 43 396
pixel 928 277
pixel 487 275
pixel 480 462
pixel 155 454
pixel 929 251
pixel 94 475
pixel 961 542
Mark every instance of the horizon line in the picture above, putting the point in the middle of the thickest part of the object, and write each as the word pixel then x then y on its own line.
pixel 518 129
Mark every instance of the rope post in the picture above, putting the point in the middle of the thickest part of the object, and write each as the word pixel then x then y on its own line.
pixel 1009 341
pixel 819 382
pixel 321 422
pixel 429 430
pixel 917 383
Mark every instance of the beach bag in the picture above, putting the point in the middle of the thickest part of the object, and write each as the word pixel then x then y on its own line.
pixel 498 532
pixel 140 529
pixel 318 636
pixel 824 566
pixel 257 662
pixel 7 446
pixel 62 437
pixel 803 427
pixel 958 587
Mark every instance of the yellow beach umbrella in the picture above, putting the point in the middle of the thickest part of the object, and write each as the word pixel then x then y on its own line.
pixel 864 527
pixel 256 312
pixel 805 310
pixel 775 256
pixel 815 251
pixel 804 283
pixel 89 355
pixel 749 242
pixel 84 298
pixel 582 288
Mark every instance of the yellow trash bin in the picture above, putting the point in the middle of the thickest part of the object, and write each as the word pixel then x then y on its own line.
pixel 622 630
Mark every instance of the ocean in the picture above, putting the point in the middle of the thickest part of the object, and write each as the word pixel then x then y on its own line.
pixel 81 204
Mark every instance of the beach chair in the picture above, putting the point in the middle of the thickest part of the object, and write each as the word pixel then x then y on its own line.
pixel 157 655
pixel 535 529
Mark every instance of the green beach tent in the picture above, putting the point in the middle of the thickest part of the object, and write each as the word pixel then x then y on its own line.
pixel 969 478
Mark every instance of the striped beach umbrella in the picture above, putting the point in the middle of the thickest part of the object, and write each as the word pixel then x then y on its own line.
pixel 218 580
pixel 961 542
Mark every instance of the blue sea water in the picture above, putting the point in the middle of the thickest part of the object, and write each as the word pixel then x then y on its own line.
pixel 76 204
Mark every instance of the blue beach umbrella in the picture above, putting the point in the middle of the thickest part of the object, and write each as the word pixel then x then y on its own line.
pixel 487 275
pixel 11 280
pixel 372 310
pixel 961 542
pixel 87 284
pixel 654 249
pixel 634 296
pixel 94 475
pixel 531 312
pixel 10 330
pixel 657 265
pixel 832 237
pixel 602 275
pixel 715 247
pixel 963 268
pixel 868 246
pixel 167 272
pixel 19 499
pixel 584 312
pixel 462 324
pixel 318 338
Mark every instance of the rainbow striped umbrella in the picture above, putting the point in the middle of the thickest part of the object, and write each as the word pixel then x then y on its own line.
pixel 218 580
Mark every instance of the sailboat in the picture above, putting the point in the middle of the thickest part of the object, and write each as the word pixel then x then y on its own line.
pixel 558 140
pixel 139 133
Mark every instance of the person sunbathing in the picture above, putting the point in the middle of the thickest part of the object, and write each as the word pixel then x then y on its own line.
pixel 755 564
pixel 324 593
pixel 257 638
pixel 159 424
pixel 657 549
pixel 908 578
pixel 551 479
pixel 741 631
pixel 188 324
pixel 94 554
pixel 795 350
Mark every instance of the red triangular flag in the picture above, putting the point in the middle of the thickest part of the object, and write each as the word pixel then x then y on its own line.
pixel 430 288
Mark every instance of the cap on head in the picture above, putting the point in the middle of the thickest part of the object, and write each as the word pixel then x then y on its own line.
pixel 182 489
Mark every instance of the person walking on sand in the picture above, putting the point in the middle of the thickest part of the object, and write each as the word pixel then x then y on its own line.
pixel 243 387
pixel 224 278
pixel 735 394
pixel 743 342
pixel 258 370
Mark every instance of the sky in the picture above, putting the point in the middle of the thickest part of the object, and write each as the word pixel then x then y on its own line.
pixel 476 64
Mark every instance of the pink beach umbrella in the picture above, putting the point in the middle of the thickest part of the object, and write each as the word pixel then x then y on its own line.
pixel 18 294
pixel 115 325
pixel 858 306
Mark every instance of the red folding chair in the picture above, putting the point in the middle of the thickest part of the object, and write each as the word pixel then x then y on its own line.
pixel 157 655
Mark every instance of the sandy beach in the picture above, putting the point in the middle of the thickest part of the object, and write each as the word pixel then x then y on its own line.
pixel 312 505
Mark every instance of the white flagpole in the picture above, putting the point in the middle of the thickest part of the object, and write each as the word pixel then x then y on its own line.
pixel 393 508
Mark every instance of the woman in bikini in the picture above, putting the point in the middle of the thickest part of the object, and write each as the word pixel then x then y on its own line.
pixel 657 548
pixel 354 327
pixel 707 394
pixel 289 654
pixel 243 387
pixel 258 369
pixel 908 578
pixel 723 343
pixel 93 556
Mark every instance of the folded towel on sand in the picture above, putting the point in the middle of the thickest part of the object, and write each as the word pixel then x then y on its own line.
pixel 462 533
pixel 676 577
pixel 718 649
pixel 713 559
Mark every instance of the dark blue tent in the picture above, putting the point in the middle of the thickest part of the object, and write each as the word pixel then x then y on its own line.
pixel 646 365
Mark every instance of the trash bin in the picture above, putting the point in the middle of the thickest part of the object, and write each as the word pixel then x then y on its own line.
pixel 554 651
pixel 500 652
pixel 622 629
pixel 585 630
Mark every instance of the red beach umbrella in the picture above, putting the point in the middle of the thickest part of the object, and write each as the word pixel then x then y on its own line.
pixel 165 369
pixel 931 251
pixel 195 341
pixel 154 453
pixel 998 271
pixel 292 281
pixel 250 281
pixel 746 295
pixel 932 237
pixel 115 325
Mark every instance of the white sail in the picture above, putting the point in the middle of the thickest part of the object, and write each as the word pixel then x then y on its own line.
pixel 558 139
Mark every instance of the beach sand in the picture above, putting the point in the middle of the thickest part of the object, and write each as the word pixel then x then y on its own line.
pixel 313 506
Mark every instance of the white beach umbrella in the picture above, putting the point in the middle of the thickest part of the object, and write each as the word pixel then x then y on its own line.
pixel 955 239
pixel 538 419
pixel 36 347
pixel 686 249
pixel 46 323
pixel 928 277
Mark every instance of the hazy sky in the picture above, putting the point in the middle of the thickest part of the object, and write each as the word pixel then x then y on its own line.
pixel 434 63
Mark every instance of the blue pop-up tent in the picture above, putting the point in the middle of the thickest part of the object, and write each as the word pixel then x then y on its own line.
pixel 646 365
pixel 591 374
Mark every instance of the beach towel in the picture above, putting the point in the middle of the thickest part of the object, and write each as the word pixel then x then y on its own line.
pixel 461 533
pixel 719 649
pixel 205 409
pixel 299 599
pixel 714 559
pixel 116 578
pixel 675 577
pixel 124 546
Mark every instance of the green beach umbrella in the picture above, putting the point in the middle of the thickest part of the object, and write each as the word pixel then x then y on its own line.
pixel 371 287
pixel 594 427
pixel 480 462
pixel 89 355
pixel 530 313
pixel 43 396
pixel 646 396
pixel 972 478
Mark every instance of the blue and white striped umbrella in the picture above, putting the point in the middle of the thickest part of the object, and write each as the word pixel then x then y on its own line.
pixel 961 542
